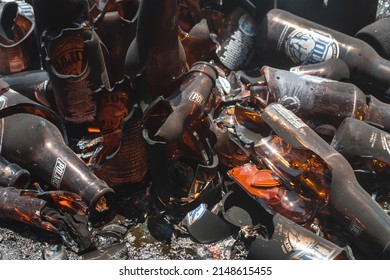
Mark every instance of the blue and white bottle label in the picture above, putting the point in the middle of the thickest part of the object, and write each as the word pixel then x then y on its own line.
pixel 309 46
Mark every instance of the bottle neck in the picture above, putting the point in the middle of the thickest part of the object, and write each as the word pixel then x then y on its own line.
pixel 378 113
pixel 157 24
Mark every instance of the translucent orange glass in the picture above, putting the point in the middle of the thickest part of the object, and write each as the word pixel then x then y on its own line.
pixel 267 188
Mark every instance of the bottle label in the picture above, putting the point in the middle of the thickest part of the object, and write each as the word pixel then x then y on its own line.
pixel 289 116
pixel 78 101
pixel 17 58
pixel 197 98
pixel 303 247
pixel 380 140
pixel 26 9
pixel 237 49
pixel 385 139
pixel 355 229
pixel 247 25
pixel 129 165
pixel 291 102
pixel 58 172
pixel 310 46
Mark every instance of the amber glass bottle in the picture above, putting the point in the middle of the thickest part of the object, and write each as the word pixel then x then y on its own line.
pixel 285 40
pixel 321 101
pixel 313 98
pixel 366 225
pixel 156 52
pixel 76 68
pixel 18 46
pixel 122 161
pixel 116 26
pixel 37 145
pixel 301 170
pixel 189 100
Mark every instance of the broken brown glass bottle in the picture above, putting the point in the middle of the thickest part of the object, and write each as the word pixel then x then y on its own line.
pixel 285 40
pixel 36 144
pixel 18 46
pixel 188 13
pixel 189 101
pixel 182 172
pixel 197 42
pixel 59 14
pixel 320 101
pixel 267 188
pixel 303 171
pixel 122 160
pixel 27 83
pixel 349 205
pixel 76 68
pixel 156 52
pixel 116 27
pixel 60 212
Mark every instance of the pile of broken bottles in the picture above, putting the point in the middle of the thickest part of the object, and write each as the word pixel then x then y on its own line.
pixel 258 120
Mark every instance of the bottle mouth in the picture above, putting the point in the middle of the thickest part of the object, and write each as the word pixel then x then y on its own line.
pixel 22 179
pixel 100 199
